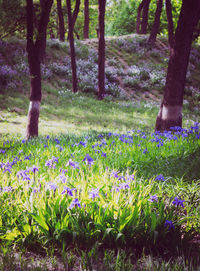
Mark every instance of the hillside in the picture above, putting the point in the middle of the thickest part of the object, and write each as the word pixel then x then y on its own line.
pixel 135 77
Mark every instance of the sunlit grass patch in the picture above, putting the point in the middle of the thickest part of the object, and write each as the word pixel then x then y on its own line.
pixel 134 189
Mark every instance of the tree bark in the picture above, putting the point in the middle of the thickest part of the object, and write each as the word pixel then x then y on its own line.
pixel 72 48
pixel 101 51
pixel 35 51
pixel 138 22
pixel 145 13
pixel 86 19
pixel 156 24
pixel 41 38
pixel 75 15
pixel 61 21
pixel 170 24
pixel 170 113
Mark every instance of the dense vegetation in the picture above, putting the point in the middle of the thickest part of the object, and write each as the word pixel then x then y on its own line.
pixel 113 178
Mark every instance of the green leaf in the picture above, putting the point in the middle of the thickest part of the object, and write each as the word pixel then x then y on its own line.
pixel 41 221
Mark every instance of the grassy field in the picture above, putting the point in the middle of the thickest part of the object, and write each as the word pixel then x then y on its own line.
pixel 98 190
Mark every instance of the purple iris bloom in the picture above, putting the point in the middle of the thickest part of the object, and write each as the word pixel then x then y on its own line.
pixel 124 186
pixel 88 160
pixel 52 186
pixel 169 224
pixel 103 154
pixel 160 178
pixel 68 191
pixel 62 178
pixel 94 194
pixel 178 202
pixel 72 164
pixel 34 169
pixel 153 198
pixel 115 174
pixel 75 203
pixel 7 189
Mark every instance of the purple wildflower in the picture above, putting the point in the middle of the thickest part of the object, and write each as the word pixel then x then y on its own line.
pixel 68 191
pixel 62 178
pixel 7 189
pixel 115 174
pixel 178 202
pixel 36 190
pixel 124 186
pixel 52 186
pixel 88 160
pixel 51 162
pixel 72 164
pixel 94 193
pixel 160 178
pixel 75 203
pixel 103 154
pixel 34 169
pixel 169 224
pixel 57 141
pixel 153 198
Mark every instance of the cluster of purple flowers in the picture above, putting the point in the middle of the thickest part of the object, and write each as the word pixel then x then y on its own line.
pixel 72 164
pixel 51 163
pixel 88 160
pixel 94 193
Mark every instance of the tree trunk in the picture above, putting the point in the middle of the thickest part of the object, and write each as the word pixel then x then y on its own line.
pixel 170 24
pixel 75 14
pixel 145 17
pixel 72 48
pixel 101 51
pixel 156 24
pixel 61 21
pixel 138 22
pixel 42 27
pixel 86 19
pixel 170 113
pixel 35 51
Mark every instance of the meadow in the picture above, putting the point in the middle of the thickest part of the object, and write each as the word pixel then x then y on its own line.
pixel 99 189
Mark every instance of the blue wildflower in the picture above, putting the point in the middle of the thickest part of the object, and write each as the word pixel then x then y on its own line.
pixel 178 202
pixel 153 198
pixel 75 203
pixel 88 160
pixel 169 224
pixel 160 178
pixel 68 191
pixel 94 194
pixel 52 186
pixel 72 164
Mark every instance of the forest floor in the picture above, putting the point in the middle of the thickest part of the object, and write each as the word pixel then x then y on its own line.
pixel 135 78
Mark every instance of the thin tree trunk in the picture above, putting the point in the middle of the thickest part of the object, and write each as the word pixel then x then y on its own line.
pixel 75 15
pixel 86 19
pixel 35 51
pixel 170 113
pixel 145 17
pixel 170 24
pixel 138 22
pixel 156 24
pixel 61 21
pixel 72 48
pixel 101 51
